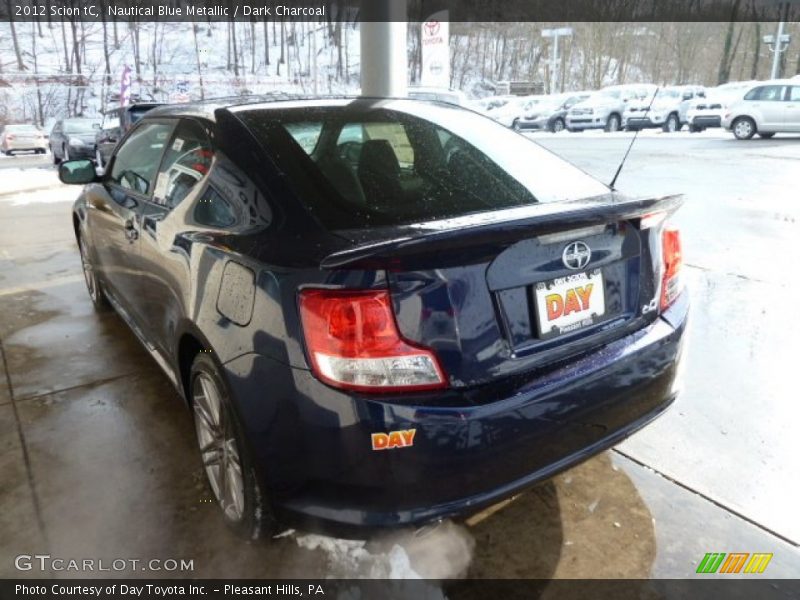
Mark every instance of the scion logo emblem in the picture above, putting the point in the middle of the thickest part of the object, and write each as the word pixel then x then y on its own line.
pixel 576 255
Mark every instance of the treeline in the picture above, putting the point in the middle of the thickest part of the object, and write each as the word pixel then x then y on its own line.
pixel 600 54
pixel 54 68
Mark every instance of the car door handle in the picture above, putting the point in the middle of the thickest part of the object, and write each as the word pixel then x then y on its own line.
pixel 130 230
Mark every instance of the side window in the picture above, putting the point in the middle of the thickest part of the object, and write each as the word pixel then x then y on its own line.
pixel 186 161
pixel 766 93
pixel 305 134
pixel 213 210
pixel 352 132
pixel 794 93
pixel 136 162
pixel 395 134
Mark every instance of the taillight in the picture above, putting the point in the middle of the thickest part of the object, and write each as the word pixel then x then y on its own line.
pixel 353 342
pixel 672 258
pixel 10 136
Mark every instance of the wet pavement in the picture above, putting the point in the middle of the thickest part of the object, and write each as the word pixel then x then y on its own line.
pixel 97 453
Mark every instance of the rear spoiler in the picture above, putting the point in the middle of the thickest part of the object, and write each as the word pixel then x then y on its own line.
pixel 498 228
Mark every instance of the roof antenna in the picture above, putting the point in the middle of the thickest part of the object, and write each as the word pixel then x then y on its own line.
pixel 635 135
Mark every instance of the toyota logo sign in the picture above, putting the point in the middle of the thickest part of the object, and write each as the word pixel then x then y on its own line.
pixel 432 28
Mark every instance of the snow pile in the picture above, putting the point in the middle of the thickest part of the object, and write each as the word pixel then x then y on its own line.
pixel 20 180
pixel 438 552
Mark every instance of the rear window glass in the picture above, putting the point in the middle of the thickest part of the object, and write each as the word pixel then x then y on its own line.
pixel 392 162
pixel 22 129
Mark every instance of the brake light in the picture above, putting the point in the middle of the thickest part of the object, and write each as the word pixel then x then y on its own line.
pixel 10 136
pixel 353 343
pixel 673 259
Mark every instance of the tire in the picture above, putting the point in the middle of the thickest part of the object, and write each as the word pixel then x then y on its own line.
pixel 9 153
pixel 93 286
pixel 557 125
pixel 767 135
pixel 743 128
pixel 672 124
pixel 227 460
pixel 515 125
pixel 613 123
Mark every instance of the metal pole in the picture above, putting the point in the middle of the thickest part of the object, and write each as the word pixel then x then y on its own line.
pixel 776 55
pixel 384 64
pixel 554 66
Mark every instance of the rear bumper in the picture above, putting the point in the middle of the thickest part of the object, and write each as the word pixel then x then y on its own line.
pixel 81 152
pixel 538 124
pixel 586 122
pixel 706 121
pixel 643 122
pixel 313 443
pixel 27 145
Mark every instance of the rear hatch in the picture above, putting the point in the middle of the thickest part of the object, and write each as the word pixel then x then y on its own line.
pixel 501 293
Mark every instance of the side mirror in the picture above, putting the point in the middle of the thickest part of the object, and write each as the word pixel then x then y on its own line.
pixel 77 172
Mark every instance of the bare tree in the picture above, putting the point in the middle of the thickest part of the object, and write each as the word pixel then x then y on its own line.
pixel 39 116
pixel 195 27
pixel 17 51
pixel 282 58
pixel 105 43
pixel 266 44
pixel 756 51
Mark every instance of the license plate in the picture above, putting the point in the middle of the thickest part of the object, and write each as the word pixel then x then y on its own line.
pixel 569 303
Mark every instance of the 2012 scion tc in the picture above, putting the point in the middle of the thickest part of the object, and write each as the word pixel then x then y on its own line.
pixel 381 311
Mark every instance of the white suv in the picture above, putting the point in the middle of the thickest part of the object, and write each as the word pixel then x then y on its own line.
pixel 768 108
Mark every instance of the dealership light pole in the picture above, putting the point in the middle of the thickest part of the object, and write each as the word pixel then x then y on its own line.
pixel 555 34
pixel 384 64
pixel 777 45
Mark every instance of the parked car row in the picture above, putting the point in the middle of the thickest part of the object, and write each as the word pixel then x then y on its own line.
pixel 745 108
pixel 76 137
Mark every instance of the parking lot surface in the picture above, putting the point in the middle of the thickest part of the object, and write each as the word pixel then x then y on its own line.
pixel 97 452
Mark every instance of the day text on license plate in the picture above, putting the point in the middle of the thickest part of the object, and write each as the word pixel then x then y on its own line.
pixel 569 303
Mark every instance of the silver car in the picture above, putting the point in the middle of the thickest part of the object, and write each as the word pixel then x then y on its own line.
pixel 604 109
pixel 22 138
pixel 769 107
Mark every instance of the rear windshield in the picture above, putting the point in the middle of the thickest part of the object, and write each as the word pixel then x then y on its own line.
pixel 371 163
pixel 22 129
pixel 81 126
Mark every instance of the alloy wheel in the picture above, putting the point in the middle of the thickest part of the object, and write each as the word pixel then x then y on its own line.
pixel 743 129
pixel 88 272
pixel 672 124
pixel 218 447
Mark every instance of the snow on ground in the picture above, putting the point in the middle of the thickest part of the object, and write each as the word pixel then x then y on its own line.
pixel 20 180
pixel 438 552
pixel 62 193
